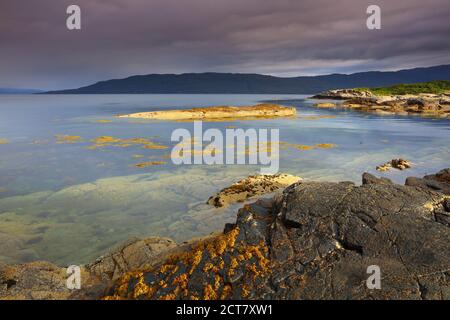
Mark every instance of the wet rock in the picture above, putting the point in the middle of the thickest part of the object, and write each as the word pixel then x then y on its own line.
pixel 368 178
pixel 437 182
pixel 43 280
pixel 37 281
pixel 132 255
pixel 316 241
pixel 250 187
pixel 400 164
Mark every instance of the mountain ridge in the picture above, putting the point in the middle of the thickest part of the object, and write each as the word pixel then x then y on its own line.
pixel 253 83
pixel 19 91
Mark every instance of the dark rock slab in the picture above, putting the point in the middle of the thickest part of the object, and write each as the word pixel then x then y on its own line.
pixel 368 178
pixel 437 182
pixel 316 241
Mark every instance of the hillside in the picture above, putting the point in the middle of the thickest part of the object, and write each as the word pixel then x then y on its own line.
pixel 256 83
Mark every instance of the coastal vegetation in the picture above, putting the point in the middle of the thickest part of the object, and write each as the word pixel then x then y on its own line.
pixel 429 99
pixel 432 87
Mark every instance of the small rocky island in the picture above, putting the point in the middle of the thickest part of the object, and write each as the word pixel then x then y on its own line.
pixel 313 241
pixel 218 112
pixel 426 99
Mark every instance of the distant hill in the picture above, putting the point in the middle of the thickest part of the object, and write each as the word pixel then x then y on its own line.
pixel 18 91
pixel 256 83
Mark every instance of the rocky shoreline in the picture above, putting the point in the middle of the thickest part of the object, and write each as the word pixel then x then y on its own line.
pixel 313 241
pixel 218 113
pixel 431 105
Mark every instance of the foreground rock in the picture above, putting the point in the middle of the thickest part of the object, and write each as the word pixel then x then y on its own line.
pixel 250 187
pixel 368 178
pixel 437 182
pixel 434 105
pixel 219 112
pixel 400 164
pixel 43 280
pixel 316 241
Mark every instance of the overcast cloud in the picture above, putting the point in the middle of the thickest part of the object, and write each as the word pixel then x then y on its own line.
pixel 279 37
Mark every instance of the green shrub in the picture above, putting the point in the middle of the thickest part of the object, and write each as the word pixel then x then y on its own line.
pixel 436 87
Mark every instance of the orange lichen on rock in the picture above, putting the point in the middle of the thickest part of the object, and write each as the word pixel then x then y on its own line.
pixel 245 292
pixel 225 292
pixel 218 113
pixel 172 279
pixel 209 293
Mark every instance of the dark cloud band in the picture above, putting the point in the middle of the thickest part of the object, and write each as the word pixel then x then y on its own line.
pixel 283 37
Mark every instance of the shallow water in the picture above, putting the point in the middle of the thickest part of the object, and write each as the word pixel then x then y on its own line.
pixel 67 202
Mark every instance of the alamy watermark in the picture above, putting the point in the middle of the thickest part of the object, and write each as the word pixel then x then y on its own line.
pixel 73 281
pixel 374 280
pixel 73 21
pixel 237 146
pixel 373 22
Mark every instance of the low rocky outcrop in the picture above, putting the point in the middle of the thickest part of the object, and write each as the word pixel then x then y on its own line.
pixel 217 113
pixel 400 164
pixel 315 241
pixel 343 94
pixel 250 187
pixel 434 105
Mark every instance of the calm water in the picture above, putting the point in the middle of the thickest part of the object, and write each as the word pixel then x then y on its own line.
pixel 69 202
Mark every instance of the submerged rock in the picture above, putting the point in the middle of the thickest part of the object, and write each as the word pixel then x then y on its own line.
pixel 316 241
pixel 250 187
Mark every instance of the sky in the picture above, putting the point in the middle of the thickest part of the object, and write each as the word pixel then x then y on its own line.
pixel 119 38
